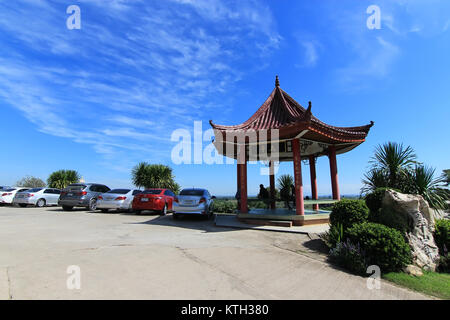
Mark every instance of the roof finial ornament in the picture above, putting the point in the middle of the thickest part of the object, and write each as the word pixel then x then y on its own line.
pixel 309 107
pixel 277 81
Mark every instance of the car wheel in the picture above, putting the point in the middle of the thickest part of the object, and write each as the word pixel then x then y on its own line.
pixel 104 210
pixel 40 203
pixel 164 211
pixel 93 204
pixel 23 205
pixel 67 208
pixel 138 211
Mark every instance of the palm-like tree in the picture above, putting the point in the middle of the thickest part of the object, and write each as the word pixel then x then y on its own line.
pixel 154 176
pixel 62 178
pixel 285 184
pixel 430 188
pixel 374 179
pixel 394 161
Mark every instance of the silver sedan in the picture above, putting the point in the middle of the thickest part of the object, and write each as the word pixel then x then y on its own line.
pixel 119 199
pixel 38 197
pixel 193 202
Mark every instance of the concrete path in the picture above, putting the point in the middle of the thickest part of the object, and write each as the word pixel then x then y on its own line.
pixel 151 257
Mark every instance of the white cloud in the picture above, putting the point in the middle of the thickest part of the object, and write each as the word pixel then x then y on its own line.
pixel 135 71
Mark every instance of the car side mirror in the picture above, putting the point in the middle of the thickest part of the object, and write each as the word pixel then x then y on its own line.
pixel 213 197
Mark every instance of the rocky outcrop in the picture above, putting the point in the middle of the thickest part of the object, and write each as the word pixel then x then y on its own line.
pixel 420 219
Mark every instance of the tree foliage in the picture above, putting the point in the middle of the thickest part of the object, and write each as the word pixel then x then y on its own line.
pixel 154 176
pixel 31 182
pixel 395 166
pixel 62 178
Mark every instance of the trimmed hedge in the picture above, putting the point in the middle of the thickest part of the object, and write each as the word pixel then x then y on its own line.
pixel 383 246
pixel 224 206
pixel 349 212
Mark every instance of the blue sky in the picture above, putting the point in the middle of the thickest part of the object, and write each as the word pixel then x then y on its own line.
pixel 105 97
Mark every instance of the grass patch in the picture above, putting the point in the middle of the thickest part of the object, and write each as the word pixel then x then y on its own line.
pixel 431 283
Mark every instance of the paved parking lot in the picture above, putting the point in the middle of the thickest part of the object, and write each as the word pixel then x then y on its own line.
pixel 123 256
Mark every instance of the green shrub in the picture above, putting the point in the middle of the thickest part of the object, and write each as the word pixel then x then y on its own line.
pixel 383 246
pixel 394 220
pixel 349 212
pixel 444 264
pixel 373 201
pixel 350 256
pixel 333 236
pixel 224 206
pixel 442 235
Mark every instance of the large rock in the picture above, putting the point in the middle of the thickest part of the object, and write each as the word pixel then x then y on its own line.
pixel 420 218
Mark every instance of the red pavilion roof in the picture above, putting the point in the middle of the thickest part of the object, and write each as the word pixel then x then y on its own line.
pixel 280 111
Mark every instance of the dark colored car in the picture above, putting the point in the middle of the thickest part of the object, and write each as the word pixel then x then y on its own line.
pixel 81 195
pixel 159 200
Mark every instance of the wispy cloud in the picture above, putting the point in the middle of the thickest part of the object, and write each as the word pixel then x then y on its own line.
pixel 136 69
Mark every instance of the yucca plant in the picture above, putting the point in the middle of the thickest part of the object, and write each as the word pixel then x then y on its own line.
pixel 424 183
pixel 374 179
pixel 285 184
pixel 394 160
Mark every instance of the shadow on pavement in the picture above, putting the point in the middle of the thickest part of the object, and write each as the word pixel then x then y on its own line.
pixel 186 222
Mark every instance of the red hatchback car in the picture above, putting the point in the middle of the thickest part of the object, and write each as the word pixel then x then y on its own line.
pixel 160 200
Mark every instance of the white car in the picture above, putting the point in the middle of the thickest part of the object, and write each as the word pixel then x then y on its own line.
pixel 38 197
pixel 193 202
pixel 7 195
pixel 119 199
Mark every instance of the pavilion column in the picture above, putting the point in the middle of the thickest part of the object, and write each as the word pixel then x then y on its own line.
pixel 334 173
pixel 300 209
pixel 242 164
pixel 272 185
pixel 238 176
pixel 312 171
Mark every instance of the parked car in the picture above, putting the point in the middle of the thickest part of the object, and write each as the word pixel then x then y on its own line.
pixel 81 195
pixel 7 195
pixel 159 200
pixel 193 202
pixel 38 197
pixel 119 199
pixel 4 188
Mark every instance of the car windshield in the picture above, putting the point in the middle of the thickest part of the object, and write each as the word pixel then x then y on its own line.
pixel 191 192
pixel 153 191
pixel 119 191
pixel 34 190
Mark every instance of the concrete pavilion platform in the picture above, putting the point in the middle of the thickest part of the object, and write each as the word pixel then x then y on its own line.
pixel 230 221
pixel 278 216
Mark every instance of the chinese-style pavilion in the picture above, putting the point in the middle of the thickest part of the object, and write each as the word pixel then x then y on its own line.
pixel 299 136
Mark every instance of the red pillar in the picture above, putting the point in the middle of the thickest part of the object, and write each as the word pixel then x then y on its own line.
pixel 272 185
pixel 334 173
pixel 238 175
pixel 242 163
pixel 300 208
pixel 312 171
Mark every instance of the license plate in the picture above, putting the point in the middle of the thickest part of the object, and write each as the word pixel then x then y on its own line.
pixel 189 201
pixel 20 196
pixel 144 199
pixel 70 194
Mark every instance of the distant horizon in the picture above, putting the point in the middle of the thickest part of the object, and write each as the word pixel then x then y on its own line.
pixel 103 97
